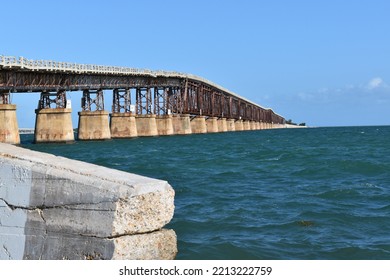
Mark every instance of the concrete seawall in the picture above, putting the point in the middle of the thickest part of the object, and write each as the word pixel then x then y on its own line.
pixel 56 208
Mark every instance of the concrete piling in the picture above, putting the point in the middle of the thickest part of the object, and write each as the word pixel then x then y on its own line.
pixel 94 125
pixel 146 125
pixel 222 125
pixel 198 124
pixel 9 130
pixel 123 125
pixel 53 125
pixel 181 124
pixel 164 125
pixel 231 126
pixel 212 124
pixel 239 125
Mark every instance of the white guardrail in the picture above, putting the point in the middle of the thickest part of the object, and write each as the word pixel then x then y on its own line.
pixel 55 66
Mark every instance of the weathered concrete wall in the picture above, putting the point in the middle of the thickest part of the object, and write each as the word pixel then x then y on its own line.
pixel 53 125
pixel 94 125
pixel 56 208
pixel 9 130
pixel 122 125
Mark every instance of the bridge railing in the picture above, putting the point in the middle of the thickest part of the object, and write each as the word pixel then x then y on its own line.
pixel 50 65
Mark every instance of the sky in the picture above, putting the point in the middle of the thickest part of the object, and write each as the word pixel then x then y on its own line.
pixel 325 63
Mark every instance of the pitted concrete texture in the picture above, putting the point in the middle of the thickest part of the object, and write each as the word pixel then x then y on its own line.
pixel 138 247
pixel 56 208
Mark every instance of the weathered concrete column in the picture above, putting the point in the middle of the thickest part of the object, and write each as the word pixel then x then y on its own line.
pixel 258 126
pixel 222 125
pixel 212 125
pixel 94 125
pixel 56 208
pixel 164 125
pixel 247 125
pixel 181 124
pixel 231 126
pixel 198 124
pixel 53 125
pixel 252 125
pixel 146 125
pixel 239 125
pixel 262 125
pixel 122 125
pixel 9 130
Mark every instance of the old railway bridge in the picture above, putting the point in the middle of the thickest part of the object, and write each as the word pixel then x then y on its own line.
pixel 145 103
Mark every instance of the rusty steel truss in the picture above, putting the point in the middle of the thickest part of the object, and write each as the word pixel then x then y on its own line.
pixel 154 92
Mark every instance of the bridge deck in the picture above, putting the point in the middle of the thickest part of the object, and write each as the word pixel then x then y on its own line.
pixel 11 62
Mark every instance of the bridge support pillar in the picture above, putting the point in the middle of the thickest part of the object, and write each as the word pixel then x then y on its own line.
pixel 239 125
pixel 198 124
pixel 122 125
pixel 246 125
pixel 222 125
pixel 253 125
pixel 181 124
pixel 258 126
pixel 262 125
pixel 231 126
pixel 93 125
pixel 9 130
pixel 164 125
pixel 146 125
pixel 53 125
pixel 212 125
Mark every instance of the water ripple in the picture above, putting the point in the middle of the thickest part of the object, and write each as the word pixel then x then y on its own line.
pixel 319 193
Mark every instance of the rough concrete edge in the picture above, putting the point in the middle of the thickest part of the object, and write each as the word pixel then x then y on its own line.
pixel 140 184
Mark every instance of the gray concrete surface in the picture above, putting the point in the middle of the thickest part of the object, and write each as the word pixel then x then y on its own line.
pixel 56 208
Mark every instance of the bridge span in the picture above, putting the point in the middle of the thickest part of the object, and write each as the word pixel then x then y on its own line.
pixel 145 102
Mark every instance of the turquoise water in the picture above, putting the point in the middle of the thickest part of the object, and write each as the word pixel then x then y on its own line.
pixel 318 193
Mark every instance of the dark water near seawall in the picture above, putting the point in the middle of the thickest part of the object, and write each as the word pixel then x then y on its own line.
pixel 321 193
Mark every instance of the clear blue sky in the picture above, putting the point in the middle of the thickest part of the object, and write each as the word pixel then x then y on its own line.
pixel 326 63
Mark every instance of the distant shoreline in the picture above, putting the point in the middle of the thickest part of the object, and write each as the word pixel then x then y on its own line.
pixel 26 130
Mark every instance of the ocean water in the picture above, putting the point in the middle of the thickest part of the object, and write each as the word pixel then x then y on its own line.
pixel 317 193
